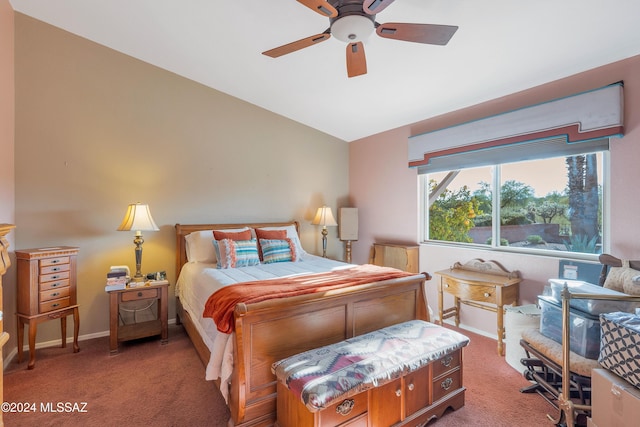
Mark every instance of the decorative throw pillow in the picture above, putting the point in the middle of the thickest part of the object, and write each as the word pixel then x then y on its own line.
pixel 621 279
pixel 292 233
pixel 277 250
pixel 236 253
pixel 233 235
pixel 268 234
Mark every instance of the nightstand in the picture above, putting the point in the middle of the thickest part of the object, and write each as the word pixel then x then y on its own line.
pixel 119 331
pixel 46 291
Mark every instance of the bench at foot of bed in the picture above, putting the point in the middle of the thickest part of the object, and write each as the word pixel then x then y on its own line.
pixel 406 374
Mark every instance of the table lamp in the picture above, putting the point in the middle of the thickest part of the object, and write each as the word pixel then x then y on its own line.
pixel 348 230
pixel 138 218
pixel 324 217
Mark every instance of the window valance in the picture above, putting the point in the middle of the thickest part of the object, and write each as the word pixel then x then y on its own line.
pixel 561 126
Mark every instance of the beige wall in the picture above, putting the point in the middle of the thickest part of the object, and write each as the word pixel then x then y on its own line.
pixel 7 180
pixel 392 199
pixel 97 130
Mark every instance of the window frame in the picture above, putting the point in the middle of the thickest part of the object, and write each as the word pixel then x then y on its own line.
pixel 423 186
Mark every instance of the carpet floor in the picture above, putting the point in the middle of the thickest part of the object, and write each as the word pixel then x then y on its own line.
pixel 148 384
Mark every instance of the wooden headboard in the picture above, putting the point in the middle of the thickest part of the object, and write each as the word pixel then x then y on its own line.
pixel 183 229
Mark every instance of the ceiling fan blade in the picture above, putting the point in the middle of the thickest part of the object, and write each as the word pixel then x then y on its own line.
pixel 375 6
pixel 356 60
pixel 297 45
pixel 418 33
pixel 323 7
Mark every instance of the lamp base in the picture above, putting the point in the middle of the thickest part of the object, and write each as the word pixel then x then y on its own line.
pixel 347 251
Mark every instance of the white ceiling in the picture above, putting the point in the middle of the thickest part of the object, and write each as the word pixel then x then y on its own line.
pixel 501 47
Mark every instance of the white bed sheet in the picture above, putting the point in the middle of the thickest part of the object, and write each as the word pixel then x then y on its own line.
pixel 197 281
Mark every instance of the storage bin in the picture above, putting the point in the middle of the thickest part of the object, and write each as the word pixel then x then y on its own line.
pixel 619 350
pixel 584 329
pixel 590 306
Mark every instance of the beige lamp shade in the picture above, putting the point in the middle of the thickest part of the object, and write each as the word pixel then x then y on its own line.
pixel 348 223
pixel 138 218
pixel 324 217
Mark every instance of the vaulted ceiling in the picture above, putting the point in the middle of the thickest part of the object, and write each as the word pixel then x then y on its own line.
pixel 501 47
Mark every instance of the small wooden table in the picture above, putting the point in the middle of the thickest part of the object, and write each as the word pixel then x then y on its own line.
pixel 158 326
pixel 482 284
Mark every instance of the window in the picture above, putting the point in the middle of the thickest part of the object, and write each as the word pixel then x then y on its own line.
pixel 545 204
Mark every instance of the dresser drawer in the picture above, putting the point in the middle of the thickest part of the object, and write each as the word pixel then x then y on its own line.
pixel 466 291
pixel 49 269
pixel 55 293
pixel 54 261
pixel 140 294
pixel 447 363
pixel 345 410
pixel 56 284
pixel 446 384
pixel 55 304
pixel 54 276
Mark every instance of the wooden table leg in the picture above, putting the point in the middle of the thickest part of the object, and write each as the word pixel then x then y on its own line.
pixel 33 328
pixel 457 305
pixel 500 317
pixel 63 330
pixel 113 323
pixel 76 329
pixel 20 338
pixel 163 313
pixel 440 301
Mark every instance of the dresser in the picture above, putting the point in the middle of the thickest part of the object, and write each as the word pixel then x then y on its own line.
pixel 400 256
pixel 481 284
pixel 47 290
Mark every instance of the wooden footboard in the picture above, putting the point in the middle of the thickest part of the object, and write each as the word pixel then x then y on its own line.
pixel 271 330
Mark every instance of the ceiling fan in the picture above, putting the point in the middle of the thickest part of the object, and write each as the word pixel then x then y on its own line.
pixel 352 21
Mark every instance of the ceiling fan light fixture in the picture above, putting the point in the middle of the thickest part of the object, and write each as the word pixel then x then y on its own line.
pixel 352 28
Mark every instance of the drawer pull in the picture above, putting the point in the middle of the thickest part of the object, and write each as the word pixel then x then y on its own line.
pixel 345 407
pixel 55 261
pixel 55 305
pixel 446 384
pixel 55 294
pixel 411 387
pixel 487 294
pixel 55 285
pixel 447 361
pixel 55 269
pixel 398 392
pixel 55 277
pixel 139 294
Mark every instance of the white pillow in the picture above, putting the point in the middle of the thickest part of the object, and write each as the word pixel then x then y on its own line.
pixel 199 245
pixel 291 234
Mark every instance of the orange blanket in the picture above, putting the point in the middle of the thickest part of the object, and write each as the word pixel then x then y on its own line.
pixel 221 303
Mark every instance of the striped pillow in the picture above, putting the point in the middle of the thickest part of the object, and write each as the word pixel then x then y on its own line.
pixel 236 253
pixel 277 250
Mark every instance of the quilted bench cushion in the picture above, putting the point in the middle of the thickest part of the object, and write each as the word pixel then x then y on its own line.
pixel 620 345
pixel 322 376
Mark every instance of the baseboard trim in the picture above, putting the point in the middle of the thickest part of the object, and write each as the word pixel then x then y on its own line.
pixel 58 342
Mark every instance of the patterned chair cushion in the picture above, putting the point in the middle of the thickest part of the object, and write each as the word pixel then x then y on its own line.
pixel 322 376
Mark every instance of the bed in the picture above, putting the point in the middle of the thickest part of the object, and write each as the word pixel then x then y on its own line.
pixel 271 330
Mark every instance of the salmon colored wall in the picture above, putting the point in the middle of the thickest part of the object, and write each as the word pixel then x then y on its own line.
pixel 393 193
